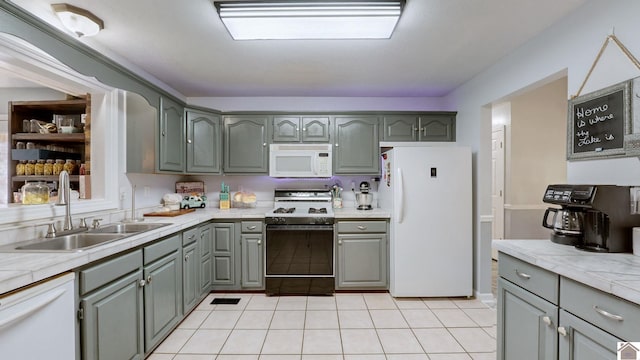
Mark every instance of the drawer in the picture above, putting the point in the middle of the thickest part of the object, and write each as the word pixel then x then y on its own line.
pixel 108 271
pixel 189 236
pixel 156 251
pixel 251 227
pixel 362 227
pixel 608 312
pixel 539 281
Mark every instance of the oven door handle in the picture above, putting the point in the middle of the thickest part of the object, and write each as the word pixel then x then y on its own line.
pixel 273 227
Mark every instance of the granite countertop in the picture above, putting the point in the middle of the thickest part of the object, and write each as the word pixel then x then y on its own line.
pixel 617 274
pixel 21 268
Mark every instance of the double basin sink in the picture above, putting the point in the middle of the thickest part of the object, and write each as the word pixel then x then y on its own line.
pixel 85 239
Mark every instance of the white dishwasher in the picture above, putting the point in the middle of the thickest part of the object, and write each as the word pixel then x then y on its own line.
pixel 38 322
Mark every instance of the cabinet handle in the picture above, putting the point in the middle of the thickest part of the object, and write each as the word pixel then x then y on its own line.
pixel 259 242
pixel 546 320
pixel 362 227
pixel 252 227
pixel 304 129
pixel 562 331
pixel 149 279
pixel 188 141
pixel 337 145
pixel 186 257
pixel 339 241
pixel 424 131
pixel 607 314
pixel 523 275
pixel 264 144
pixel 142 283
pixel 192 237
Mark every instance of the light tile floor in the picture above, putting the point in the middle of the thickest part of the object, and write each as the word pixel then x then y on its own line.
pixel 367 326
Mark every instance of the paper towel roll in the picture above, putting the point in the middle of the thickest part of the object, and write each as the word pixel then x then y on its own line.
pixel 636 241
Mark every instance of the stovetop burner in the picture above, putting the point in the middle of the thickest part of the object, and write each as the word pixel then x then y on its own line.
pixel 282 210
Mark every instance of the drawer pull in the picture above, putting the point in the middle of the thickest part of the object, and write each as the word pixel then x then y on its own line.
pixel 562 331
pixel 142 283
pixel 546 320
pixel 362 227
pixel 607 314
pixel 523 275
pixel 252 227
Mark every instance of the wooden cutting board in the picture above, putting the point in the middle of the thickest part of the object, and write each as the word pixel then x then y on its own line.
pixel 171 213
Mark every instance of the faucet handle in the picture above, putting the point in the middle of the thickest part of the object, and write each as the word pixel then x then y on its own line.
pixel 95 223
pixel 51 230
pixel 83 223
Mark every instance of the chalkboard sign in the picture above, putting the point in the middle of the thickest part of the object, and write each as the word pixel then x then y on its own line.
pixel 598 123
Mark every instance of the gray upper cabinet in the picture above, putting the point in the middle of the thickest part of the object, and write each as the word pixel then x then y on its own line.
pixel 245 144
pixel 204 142
pixel 419 127
pixel 301 129
pixel 172 133
pixel 356 148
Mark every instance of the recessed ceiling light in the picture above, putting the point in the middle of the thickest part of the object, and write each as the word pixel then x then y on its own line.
pixel 307 19
pixel 79 21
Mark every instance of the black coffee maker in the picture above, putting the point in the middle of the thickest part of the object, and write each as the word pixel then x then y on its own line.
pixel 602 212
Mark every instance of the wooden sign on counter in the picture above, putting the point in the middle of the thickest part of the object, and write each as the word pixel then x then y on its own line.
pixel 598 123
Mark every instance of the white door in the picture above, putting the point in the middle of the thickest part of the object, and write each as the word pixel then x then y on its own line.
pixel 497 184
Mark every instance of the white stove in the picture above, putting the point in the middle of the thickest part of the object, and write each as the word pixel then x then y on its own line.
pixel 301 207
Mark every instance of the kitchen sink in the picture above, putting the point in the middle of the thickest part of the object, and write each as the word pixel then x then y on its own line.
pixel 126 228
pixel 72 242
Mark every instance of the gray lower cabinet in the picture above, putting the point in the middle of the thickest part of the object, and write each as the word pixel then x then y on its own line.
pixel 251 258
pixel 527 327
pixel 204 142
pixel 190 270
pixel 301 129
pixel 356 147
pixel 223 261
pixel 205 244
pixel 419 127
pixel 111 309
pixel 163 289
pixel 580 340
pixel 172 132
pixel 362 255
pixel 245 144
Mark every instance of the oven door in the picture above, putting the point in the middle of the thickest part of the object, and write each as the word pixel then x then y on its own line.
pixel 299 260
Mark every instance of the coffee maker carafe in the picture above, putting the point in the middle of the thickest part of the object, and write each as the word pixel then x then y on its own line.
pixel 567 225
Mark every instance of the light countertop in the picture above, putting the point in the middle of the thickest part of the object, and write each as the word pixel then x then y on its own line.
pixel 617 274
pixel 18 269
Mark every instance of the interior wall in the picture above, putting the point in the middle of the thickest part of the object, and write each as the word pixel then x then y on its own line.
pixel 567 48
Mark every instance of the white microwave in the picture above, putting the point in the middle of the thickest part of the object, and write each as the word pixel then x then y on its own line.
pixel 300 160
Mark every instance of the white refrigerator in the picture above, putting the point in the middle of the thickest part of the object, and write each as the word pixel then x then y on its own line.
pixel 428 191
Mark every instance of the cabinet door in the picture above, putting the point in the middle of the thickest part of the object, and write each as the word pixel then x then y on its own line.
pixel 223 249
pixel 315 129
pixel 172 149
pixel 204 143
pixel 286 129
pixel 112 325
pixel 526 324
pixel 245 141
pixel 400 128
pixel 356 148
pixel 252 260
pixel 204 247
pixel 162 298
pixel 437 128
pixel 362 260
pixel 584 341
pixel 190 284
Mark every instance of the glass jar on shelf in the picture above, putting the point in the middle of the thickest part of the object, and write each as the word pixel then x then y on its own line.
pixel 34 193
pixel 58 166
pixel 39 167
pixel 20 167
pixel 70 166
pixel 30 168
pixel 48 167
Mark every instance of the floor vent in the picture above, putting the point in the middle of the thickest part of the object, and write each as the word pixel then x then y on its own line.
pixel 225 301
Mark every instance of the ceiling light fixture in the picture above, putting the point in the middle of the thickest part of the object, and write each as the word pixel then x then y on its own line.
pixel 79 21
pixel 308 19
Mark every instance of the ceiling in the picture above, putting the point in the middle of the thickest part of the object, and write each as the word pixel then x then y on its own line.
pixel 438 45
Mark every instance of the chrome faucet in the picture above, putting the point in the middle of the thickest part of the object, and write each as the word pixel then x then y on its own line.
pixel 63 198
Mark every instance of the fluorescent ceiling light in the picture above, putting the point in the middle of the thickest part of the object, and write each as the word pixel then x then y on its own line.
pixel 79 21
pixel 308 19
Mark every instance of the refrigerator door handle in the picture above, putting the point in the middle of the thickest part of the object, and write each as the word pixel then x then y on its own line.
pixel 400 203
